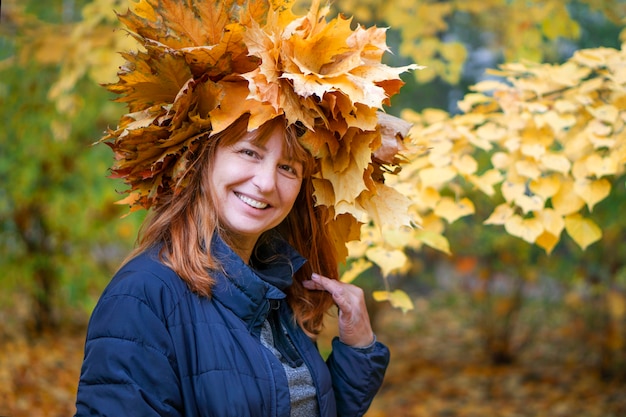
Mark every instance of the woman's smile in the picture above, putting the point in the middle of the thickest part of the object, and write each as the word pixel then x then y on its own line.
pixel 252 202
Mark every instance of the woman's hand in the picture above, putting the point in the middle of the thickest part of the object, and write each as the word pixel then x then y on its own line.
pixel 355 328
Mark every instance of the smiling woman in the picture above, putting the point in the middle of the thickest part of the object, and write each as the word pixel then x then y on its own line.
pixel 217 310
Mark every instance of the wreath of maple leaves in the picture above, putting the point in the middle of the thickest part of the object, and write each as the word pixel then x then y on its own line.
pixel 205 63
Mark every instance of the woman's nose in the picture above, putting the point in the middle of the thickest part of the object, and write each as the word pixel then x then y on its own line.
pixel 264 178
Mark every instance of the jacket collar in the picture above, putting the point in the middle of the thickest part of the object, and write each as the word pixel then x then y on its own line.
pixel 245 289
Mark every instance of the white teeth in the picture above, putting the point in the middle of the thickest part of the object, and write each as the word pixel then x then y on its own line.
pixel 251 202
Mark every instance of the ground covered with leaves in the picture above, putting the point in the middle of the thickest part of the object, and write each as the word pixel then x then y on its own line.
pixel 438 369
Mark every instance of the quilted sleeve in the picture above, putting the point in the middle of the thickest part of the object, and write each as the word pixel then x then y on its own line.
pixel 129 366
pixel 357 375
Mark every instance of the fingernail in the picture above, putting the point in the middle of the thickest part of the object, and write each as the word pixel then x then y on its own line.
pixel 315 276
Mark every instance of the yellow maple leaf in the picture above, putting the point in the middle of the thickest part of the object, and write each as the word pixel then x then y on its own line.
pixel 150 82
pixel 583 231
pixel 343 228
pixel 347 184
pixel 392 129
pixel 386 206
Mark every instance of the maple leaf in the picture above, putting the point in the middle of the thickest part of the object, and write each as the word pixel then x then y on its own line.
pixel 386 206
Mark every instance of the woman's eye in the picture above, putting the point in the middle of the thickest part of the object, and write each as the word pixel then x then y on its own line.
pixel 248 152
pixel 290 170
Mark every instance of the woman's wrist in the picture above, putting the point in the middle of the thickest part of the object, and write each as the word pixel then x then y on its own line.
pixel 362 347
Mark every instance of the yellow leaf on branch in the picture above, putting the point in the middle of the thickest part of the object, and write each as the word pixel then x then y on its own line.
pixel 397 298
pixel 500 214
pixel 583 230
pixel 527 229
pixel 545 186
pixel 452 210
pixel 592 191
pixel 529 203
pixel 547 241
pixel 436 177
pixel 389 261
pixel 552 221
pixel 556 162
pixel 356 268
pixel 434 240
pixel 486 181
pixel 601 166
pixel 605 113
pixel 511 190
pixel 566 200
pixel 528 168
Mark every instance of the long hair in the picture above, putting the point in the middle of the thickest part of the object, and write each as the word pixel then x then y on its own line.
pixel 185 222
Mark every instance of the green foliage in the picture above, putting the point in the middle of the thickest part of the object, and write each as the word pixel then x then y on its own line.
pixel 60 234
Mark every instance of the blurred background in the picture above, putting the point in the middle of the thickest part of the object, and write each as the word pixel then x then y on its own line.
pixel 487 322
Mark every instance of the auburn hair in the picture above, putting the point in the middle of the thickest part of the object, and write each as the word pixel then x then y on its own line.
pixel 184 223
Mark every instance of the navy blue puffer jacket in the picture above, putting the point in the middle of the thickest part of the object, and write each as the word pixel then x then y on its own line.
pixel 154 348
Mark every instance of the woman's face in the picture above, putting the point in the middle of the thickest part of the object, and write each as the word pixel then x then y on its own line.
pixel 254 185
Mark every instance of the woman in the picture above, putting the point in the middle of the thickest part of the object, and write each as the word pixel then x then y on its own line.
pixel 225 342
pixel 255 158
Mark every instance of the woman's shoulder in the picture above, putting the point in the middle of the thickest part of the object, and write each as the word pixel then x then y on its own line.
pixel 146 279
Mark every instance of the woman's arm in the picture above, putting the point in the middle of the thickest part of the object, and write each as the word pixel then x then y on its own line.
pixel 358 362
pixel 129 367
